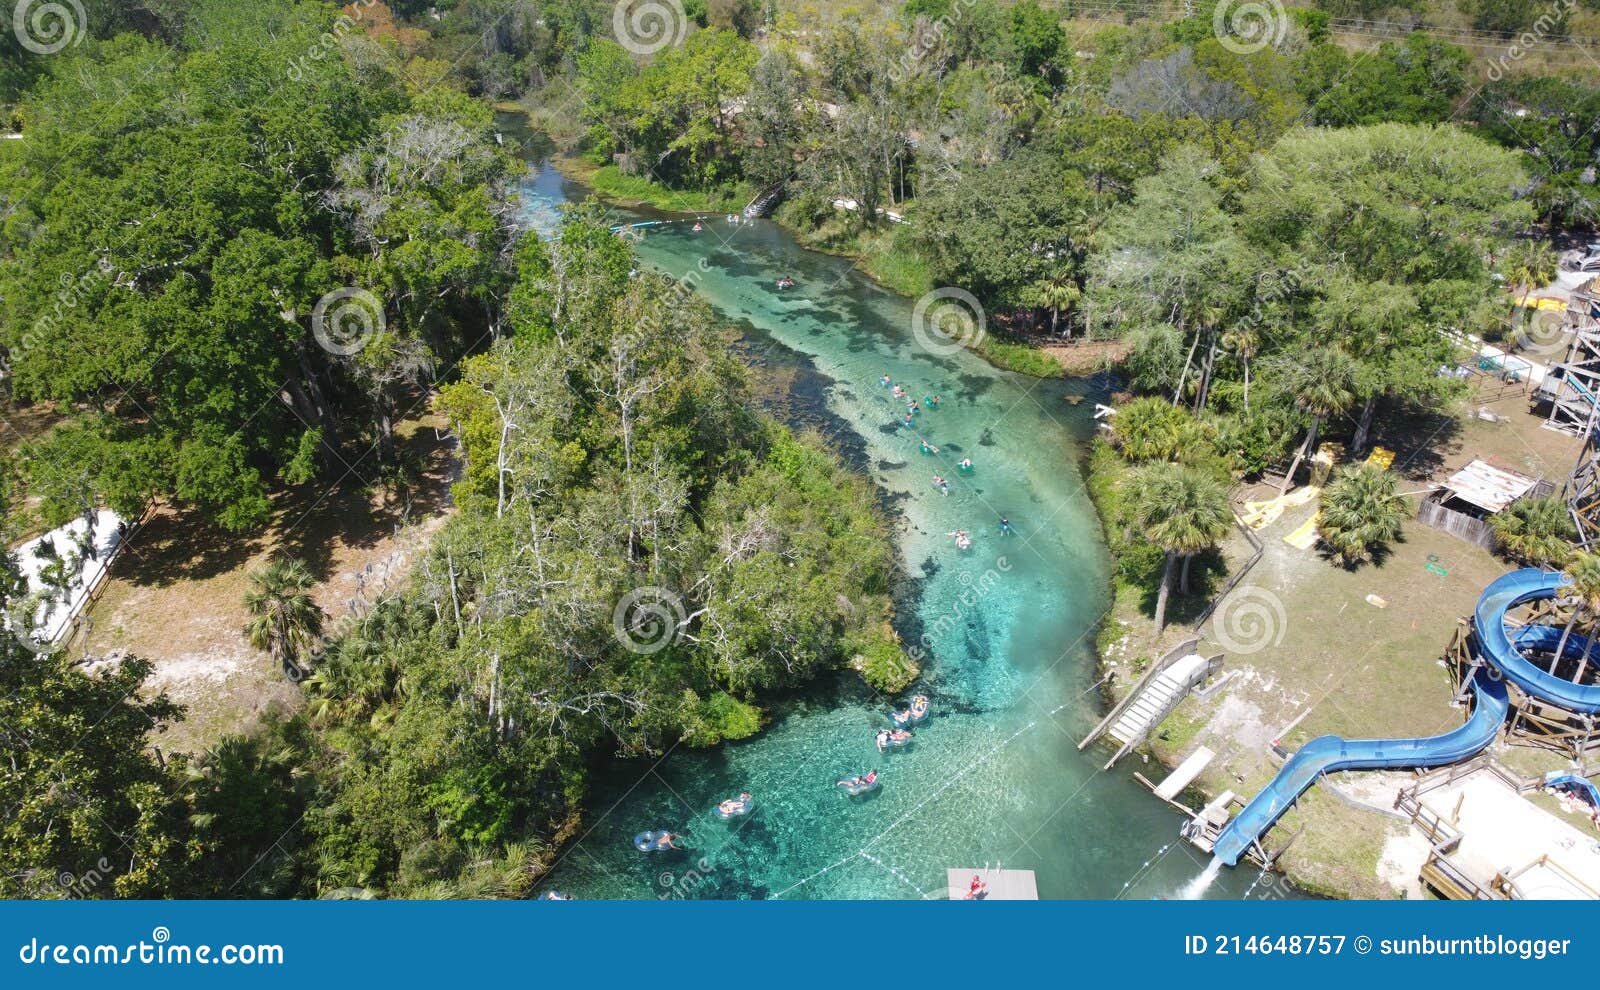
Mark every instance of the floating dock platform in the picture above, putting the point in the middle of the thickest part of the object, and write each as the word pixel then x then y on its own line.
pixel 1004 885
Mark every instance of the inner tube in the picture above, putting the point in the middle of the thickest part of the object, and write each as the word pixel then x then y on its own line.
pixel 554 895
pixel 653 841
pixel 861 788
pixel 917 711
pixel 740 809
pixel 893 743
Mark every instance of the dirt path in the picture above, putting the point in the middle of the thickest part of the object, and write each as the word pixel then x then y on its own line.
pixel 176 597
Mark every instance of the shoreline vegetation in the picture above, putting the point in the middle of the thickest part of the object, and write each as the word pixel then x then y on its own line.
pixel 882 254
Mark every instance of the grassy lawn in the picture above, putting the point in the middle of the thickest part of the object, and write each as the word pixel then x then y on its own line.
pixel 176 595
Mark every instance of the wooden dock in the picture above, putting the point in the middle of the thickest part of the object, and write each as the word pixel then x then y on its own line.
pixel 1185 774
pixel 1004 885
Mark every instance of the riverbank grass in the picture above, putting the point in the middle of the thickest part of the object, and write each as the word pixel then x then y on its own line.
pixel 1014 355
pixel 612 185
pixel 885 252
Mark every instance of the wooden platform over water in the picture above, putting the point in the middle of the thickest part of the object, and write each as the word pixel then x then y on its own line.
pixel 1187 771
pixel 1004 885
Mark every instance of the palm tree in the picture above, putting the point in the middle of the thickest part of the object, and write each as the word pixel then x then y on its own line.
pixel 1180 509
pixel 285 621
pixel 1323 385
pixel 1362 511
pixel 1528 265
pixel 1583 574
pixel 1149 429
pixel 1537 531
pixel 1056 292
pixel 1245 341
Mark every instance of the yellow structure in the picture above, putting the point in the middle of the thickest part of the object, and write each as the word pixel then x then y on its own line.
pixel 1305 537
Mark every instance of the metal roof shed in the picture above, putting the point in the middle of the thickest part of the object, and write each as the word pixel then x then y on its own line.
pixel 1488 487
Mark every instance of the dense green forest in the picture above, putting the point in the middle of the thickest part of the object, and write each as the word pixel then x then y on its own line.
pixel 1285 234
pixel 636 560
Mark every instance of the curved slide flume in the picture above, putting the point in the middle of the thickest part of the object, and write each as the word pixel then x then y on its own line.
pixel 1503 651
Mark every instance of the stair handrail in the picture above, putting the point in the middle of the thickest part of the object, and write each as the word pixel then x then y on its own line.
pixel 1183 649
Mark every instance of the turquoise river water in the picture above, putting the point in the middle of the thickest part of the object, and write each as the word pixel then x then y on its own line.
pixel 994 777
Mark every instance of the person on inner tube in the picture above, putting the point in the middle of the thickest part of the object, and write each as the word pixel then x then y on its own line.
pixel 883 739
pixel 664 841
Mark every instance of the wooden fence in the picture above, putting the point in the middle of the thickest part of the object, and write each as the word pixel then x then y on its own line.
pixel 1457 524
pixel 1234 578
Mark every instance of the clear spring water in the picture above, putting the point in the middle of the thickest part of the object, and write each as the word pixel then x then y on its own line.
pixel 994 776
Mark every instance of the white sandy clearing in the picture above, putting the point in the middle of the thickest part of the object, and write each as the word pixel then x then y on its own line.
pixel 1400 863
pixel 1503 832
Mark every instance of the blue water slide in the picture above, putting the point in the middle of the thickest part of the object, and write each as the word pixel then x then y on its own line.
pixel 1494 642
pixel 1502 649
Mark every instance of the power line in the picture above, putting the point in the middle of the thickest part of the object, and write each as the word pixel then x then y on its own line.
pixel 1465 37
